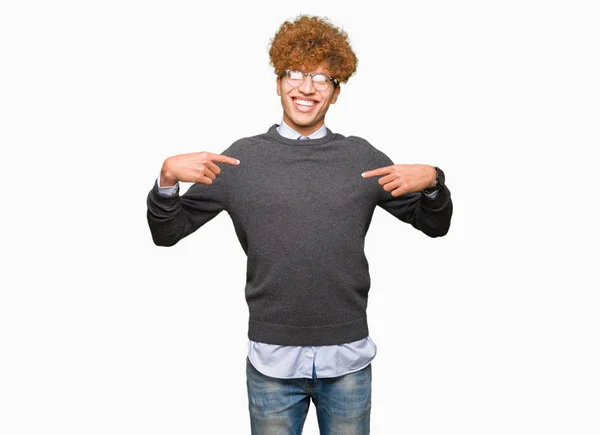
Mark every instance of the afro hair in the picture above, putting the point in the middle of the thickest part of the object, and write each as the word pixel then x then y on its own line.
pixel 309 41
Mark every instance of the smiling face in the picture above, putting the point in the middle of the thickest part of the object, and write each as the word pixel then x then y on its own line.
pixel 304 107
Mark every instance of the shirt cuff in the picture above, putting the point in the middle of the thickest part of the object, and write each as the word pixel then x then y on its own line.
pixel 167 190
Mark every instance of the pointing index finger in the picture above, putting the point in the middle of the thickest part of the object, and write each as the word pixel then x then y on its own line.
pixel 378 171
pixel 224 159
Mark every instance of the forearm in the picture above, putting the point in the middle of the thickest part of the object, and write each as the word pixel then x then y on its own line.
pixel 166 219
pixel 171 218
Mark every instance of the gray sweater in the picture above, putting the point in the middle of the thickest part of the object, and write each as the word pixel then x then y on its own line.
pixel 301 211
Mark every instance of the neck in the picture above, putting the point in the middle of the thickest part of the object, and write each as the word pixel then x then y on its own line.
pixel 304 130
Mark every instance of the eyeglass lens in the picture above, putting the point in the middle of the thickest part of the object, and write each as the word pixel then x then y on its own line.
pixel 296 78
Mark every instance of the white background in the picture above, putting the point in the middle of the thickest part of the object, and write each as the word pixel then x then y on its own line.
pixel 493 329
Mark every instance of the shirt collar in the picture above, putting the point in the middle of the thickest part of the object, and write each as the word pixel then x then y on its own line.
pixel 289 133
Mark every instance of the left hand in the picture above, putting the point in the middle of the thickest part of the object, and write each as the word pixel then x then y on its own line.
pixel 401 179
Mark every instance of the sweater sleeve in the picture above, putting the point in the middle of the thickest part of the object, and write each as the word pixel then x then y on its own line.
pixel 172 218
pixel 432 216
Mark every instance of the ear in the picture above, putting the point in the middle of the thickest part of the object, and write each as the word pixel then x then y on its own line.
pixel 279 86
pixel 336 92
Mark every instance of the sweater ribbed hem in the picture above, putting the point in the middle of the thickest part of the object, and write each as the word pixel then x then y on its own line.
pixel 288 335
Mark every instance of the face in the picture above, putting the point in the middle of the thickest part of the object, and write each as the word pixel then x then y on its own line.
pixel 304 107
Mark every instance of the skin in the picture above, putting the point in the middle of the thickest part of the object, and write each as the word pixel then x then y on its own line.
pixel 400 179
pixel 193 168
pixel 306 120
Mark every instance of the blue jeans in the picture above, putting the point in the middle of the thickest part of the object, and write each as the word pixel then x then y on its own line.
pixel 279 406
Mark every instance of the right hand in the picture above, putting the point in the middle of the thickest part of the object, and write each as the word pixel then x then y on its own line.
pixel 193 168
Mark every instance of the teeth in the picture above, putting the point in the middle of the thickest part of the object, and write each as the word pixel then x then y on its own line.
pixel 305 102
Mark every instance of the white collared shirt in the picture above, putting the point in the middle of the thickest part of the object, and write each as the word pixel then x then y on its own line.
pixel 288 132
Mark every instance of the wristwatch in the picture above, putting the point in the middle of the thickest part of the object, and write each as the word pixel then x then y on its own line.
pixel 440 179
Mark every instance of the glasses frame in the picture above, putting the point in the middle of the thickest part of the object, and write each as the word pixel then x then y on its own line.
pixel 333 79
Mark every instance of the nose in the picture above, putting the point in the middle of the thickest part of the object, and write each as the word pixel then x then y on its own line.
pixel 307 86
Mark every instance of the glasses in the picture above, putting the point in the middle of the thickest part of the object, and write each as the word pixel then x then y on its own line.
pixel 320 81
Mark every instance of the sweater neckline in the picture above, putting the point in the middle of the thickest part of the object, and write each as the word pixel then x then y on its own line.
pixel 274 134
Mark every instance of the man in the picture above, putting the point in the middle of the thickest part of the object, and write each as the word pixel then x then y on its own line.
pixel 301 200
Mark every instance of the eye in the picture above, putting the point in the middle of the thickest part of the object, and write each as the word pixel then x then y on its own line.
pixel 320 78
pixel 295 75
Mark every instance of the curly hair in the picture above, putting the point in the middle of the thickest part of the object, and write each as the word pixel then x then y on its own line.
pixel 307 42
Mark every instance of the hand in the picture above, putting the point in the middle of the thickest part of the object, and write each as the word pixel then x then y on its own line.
pixel 193 168
pixel 401 179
